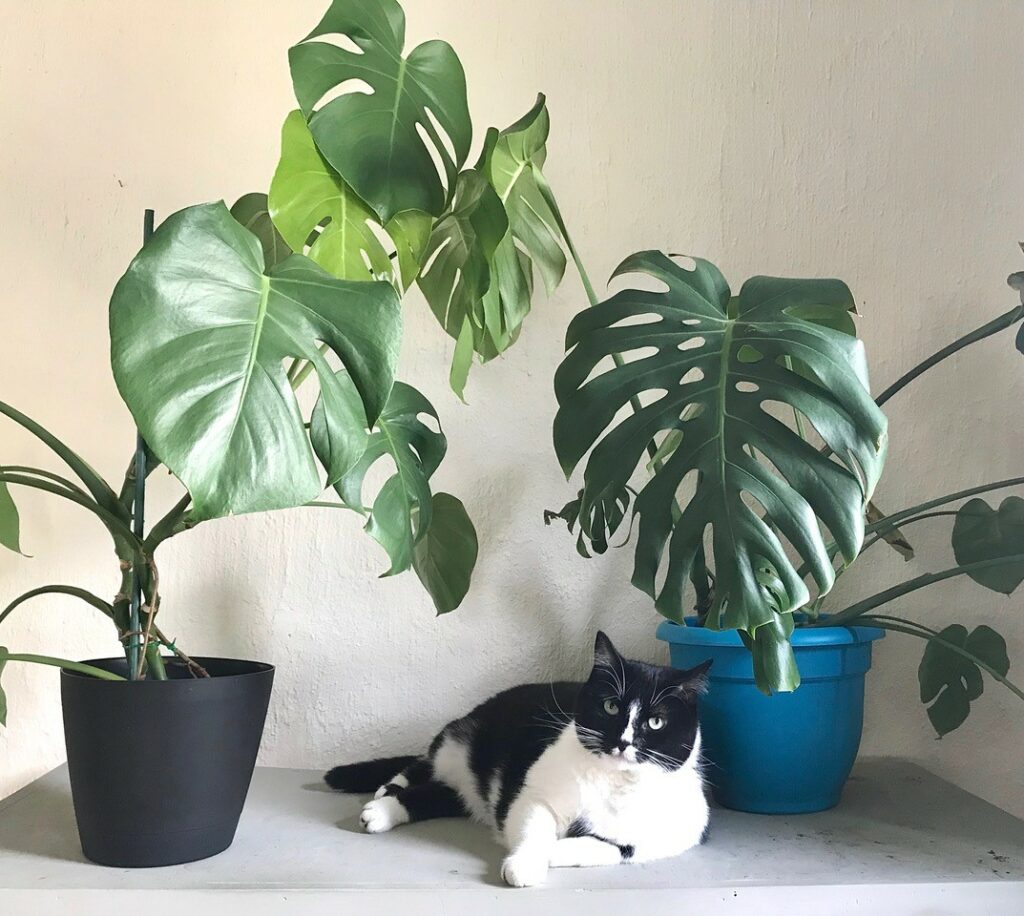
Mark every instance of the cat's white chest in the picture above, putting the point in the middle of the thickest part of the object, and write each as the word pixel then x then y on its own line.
pixel 620 805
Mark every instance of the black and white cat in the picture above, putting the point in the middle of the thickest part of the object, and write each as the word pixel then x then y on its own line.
pixel 568 774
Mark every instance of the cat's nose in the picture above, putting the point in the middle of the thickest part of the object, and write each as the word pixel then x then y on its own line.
pixel 623 745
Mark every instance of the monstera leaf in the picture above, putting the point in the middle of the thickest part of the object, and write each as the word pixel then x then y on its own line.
pixel 514 167
pixel 199 332
pixel 952 679
pixel 401 511
pixel 982 533
pixel 606 515
pixel 307 195
pixel 253 212
pixel 718 367
pixel 473 278
pixel 373 139
pixel 478 277
pixel 445 555
pixel 10 524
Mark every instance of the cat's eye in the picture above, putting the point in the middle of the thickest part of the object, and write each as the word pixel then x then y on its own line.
pixel 611 707
pixel 655 722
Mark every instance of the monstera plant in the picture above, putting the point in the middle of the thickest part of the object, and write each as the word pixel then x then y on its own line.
pixel 750 418
pixel 226 313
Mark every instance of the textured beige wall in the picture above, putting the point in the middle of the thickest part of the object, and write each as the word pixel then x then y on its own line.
pixel 875 141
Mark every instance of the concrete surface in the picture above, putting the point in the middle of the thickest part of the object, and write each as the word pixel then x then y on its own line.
pixel 902 842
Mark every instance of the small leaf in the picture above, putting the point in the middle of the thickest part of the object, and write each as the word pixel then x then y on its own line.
pixel 462 359
pixel 953 681
pixel 983 533
pixel 252 211
pixel 10 522
pixel 772 655
pixel 445 556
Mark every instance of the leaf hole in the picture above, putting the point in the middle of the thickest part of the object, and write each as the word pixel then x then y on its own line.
pixel 692 343
pixel 693 375
pixel 435 151
pixel 748 387
pixel 345 87
pixel 434 255
pixel 340 40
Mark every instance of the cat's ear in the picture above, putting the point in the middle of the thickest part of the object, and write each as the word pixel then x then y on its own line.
pixel 693 682
pixel 605 654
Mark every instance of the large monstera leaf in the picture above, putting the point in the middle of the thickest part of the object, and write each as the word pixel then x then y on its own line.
pixel 441 544
pixel 719 366
pixel 199 333
pixel 373 139
pixel 310 202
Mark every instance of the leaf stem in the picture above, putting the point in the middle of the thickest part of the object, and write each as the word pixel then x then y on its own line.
pixel 986 330
pixel 905 523
pixel 904 588
pixel 911 628
pixel 64 663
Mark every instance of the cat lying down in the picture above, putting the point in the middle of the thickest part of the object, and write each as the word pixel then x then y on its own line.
pixel 568 774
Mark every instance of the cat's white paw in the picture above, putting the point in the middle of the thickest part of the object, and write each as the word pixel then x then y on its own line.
pixel 382 814
pixel 523 869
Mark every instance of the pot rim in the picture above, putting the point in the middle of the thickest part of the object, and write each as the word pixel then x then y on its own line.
pixel 802 638
pixel 257 668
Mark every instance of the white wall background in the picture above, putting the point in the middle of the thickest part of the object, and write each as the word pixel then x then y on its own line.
pixel 879 142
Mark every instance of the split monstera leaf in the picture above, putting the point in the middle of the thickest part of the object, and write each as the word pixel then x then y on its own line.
pixel 710 370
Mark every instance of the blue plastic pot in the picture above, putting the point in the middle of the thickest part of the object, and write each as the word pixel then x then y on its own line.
pixel 789 753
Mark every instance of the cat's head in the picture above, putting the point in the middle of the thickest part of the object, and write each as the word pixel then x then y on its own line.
pixel 635 713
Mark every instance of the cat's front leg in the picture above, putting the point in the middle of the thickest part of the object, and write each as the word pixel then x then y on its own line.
pixel 531 832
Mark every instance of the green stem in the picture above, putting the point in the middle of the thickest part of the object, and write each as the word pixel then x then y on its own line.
pixel 897 518
pixel 910 628
pixel 112 522
pixel 904 588
pixel 300 370
pixel 81 593
pixel 96 485
pixel 327 504
pixel 986 330
pixel 64 663
pixel 904 524
pixel 46 475
pixel 171 524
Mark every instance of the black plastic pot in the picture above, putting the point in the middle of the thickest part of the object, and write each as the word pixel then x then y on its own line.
pixel 160 769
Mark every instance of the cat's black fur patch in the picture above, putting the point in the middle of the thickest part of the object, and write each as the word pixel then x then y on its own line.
pixel 367 776
pixel 431 799
pixel 581 827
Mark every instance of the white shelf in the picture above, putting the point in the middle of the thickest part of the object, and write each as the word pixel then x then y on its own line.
pixel 902 841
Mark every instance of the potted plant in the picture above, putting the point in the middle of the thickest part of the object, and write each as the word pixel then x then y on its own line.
pixel 753 417
pixel 216 324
